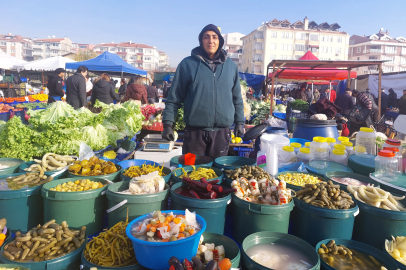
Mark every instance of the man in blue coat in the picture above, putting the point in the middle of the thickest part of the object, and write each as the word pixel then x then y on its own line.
pixel 208 85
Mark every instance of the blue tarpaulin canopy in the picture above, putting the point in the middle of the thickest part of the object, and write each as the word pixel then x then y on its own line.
pixel 108 62
pixel 168 78
pixel 253 80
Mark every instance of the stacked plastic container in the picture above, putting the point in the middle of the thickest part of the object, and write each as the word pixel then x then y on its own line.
pixel 386 165
pixel 366 137
pixel 319 153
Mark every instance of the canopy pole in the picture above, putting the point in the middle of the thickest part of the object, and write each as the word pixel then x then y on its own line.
pixel 43 81
pixel 272 90
pixel 379 90
pixel 311 101
pixel 349 78
pixel 355 83
pixel 329 93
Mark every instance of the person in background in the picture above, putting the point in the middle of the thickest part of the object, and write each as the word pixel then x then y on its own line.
pixel 136 90
pixel 316 95
pixel 123 87
pixel 333 94
pixel 368 92
pixel 384 102
pixel 366 102
pixel 113 83
pixel 345 102
pixel 402 103
pixel 309 95
pixel 167 87
pixel 55 85
pixel 152 93
pixel 323 94
pixel 300 94
pixel 89 86
pixel 293 93
pixel 282 93
pixel 76 88
pixel 392 99
pixel 104 91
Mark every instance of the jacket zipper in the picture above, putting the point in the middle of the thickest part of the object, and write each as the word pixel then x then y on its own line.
pixel 214 99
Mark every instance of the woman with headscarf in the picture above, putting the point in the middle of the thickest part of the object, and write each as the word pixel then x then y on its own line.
pixel 104 91
pixel 136 90
pixel 393 98
pixel 316 95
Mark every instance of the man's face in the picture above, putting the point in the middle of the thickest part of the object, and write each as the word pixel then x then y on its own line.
pixel 404 92
pixel 61 75
pixel 210 42
pixel 84 73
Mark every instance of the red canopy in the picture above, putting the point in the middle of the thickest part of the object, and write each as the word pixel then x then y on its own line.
pixel 302 73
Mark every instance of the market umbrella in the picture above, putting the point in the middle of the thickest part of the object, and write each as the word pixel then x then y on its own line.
pixel 51 64
pixel 8 61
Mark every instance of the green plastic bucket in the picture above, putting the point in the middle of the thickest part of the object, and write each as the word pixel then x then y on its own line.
pixel 374 225
pixel 29 163
pixel 385 259
pixel 232 162
pixel 286 240
pixel 22 208
pixel 138 205
pixel 313 224
pixel 212 210
pixel 18 267
pixel 113 177
pixel 230 246
pixel 331 166
pixel 165 170
pixel 200 161
pixel 251 218
pixel 355 176
pixel 70 261
pixel 12 169
pixel 294 187
pixel 87 265
pixel 176 174
pixel 361 165
pixel 82 208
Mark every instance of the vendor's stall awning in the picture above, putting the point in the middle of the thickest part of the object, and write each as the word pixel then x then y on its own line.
pixel 108 62
pixel 51 64
pixel 8 61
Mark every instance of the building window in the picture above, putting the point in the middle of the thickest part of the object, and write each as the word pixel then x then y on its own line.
pixel 147 58
pixel 140 51
pixel 234 39
pixel 388 69
pixel 358 49
pixel 390 58
pixel 302 36
pixel 373 58
pixel 286 47
pixel 13 50
pixel 390 49
pixel 314 37
pixel 147 65
pixel 272 57
pixel 402 69
pixel 112 49
pixel 274 34
pixel 301 47
pixel 297 57
pixel 55 52
pixel 287 35
pixel 403 60
pixel 3 43
pixel 339 39
pixel 273 46
pixel 338 50
pixel 148 51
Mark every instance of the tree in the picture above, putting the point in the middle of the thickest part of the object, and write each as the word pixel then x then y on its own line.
pixel 85 55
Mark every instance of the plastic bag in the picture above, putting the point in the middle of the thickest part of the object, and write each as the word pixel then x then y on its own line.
pixel 85 152
pixel 298 166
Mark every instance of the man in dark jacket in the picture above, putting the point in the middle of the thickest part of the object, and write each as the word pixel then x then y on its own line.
pixel 384 102
pixel 309 95
pixel 300 94
pixel 104 92
pixel 392 98
pixel 123 87
pixel 76 88
pixel 402 103
pixel 55 85
pixel 345 101
pixel 368 92
pixel 152 93
pixel 208 84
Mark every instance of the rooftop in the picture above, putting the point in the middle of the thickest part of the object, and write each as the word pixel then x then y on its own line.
pixel 381 36
pixel 312 25
pixel 49 40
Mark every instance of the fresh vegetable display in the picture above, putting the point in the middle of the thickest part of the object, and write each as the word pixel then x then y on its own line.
pixel 5 108
pixel 44 243
pixel 3 230
pixel 299 179
pixel 27 180
pixel 145 184
pixel 78 185
pixel 39 97
pixel 111 248
pixel 199 173
pixel 207 252
pixel 196 264
pixel 248 172
pixel 325 194
pixel 92 167
pixel 50 162
pixel 377 197
pixel 179 121
pixel 161 227
pixel 135 171
pixel 298 104
pixel 397 248
pixel 260 109
pixel 202 189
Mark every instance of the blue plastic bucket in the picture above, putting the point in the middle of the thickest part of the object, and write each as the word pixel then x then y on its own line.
pixel 309 128
pixel 271 130
pixel 139 162
pixel 155 255
pixel 232 162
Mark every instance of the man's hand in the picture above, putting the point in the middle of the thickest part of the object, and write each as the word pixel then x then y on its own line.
pixel 238 130
pixel 167 133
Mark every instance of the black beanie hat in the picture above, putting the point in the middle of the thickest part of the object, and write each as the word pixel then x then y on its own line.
pixel 212 27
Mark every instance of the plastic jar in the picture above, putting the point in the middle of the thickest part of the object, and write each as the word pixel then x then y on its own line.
pixel 296 146
pixel 349 148
pixel 303 155
pixel 307 145
pixel 287 156
pixel 398 155
pixel 366 137
pixel 386 165
pixel 331 142
pixel 392 143
pixel 340 147
pixel 359 150
pixel 339 156
pixel 319 153
pixel 342 139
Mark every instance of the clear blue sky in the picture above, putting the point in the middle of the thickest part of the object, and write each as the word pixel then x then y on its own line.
pixel 173 26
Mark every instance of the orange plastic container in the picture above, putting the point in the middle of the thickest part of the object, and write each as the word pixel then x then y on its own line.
pixel 190 159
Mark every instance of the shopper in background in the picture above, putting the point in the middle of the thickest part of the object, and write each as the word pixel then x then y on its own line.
pixel 89 86
pixel 152 93
pixel 123 87
pixel 167 87
pixel 76 88
pixel 402 103
pixel 345 102
pixel 333 94
pixel 316 95
pixel 293 93
pixel 282 93
pixel 300 94
pixel 54 85
pixel 104 91
pixel 136 90
pixel 384 102
pixel 366 102
pixel 309 95
pixel 368 92
pixel 392 99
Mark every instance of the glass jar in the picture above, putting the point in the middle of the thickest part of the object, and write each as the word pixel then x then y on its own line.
pixel 399 156
pixel 342 139
pixel 386 165
pixel 339 156
pixel 296 146
pixel 287 156
pixel 366 137
pixel 319 153
pixel 303 155
pixel 349 148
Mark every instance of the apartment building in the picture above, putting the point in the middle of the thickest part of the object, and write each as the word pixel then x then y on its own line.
pixel 139 55
pixel 51 46
pixel 233 46
pixel 17 46
pixel 380 46
pixel 290 41
pixel 76 47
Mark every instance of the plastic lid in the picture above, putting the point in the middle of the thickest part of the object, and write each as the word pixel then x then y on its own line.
pixel 307 144
pixel 254 132
pixel 360 149
pixel 288 148
pixel 339 146
pixel 386 153
pixel 338 152
pixel 296 145
pixel 393 149
pixel 343 139
pixel 349 144
pixel 305 150
pixel 365 129
pixel 319 139
pixel 393 142
pixel 330 140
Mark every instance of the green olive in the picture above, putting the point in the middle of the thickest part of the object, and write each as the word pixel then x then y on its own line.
pixel 173 238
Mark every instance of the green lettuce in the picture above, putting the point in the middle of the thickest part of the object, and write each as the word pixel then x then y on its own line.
pixel 96 137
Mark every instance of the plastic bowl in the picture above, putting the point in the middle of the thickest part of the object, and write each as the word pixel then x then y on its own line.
pixel 12 169
pixel 294 187
pixel 26 165
pixel 179 172
pixel 139 162
pixel 155 255
pixel 355 176
pixel 232 162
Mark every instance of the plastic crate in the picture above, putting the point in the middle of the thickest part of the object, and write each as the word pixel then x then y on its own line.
pixel 358 113
pixel 385 128
pixel 302 108
pixel 243 151
pixel 154 127
pixel 5 116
